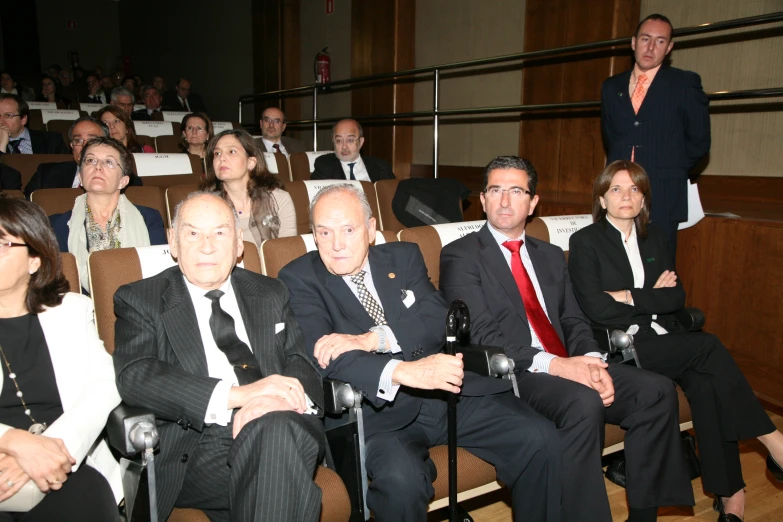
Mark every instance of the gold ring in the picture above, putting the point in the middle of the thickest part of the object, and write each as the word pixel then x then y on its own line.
pixel 55 481
pixel 9 483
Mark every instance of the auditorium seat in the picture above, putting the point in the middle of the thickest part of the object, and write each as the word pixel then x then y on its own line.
pixel 220 126
pixel 27 164
pixel 110 269
pixel 385 190
pixel 303 163
pixel 168 144
pixel 61 127
pixel 71 272
pixel 165 170
pixel 146 140
pixel 154 129
pixel 175 194
pixel 303 191
pixel 149 196
pixel 557 229
pixel 13 193
pixel 277 164
pixel 35 120
pixel 56 200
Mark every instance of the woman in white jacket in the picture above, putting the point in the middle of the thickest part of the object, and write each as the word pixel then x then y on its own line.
pixel 56 386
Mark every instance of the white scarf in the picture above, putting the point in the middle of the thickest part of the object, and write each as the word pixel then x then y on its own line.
pixel 133 233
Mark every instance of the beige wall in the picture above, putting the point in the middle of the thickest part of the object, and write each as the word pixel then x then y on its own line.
pixel 457 30
pixel 742 144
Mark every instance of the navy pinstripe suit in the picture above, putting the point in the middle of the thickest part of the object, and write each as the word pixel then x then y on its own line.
pixel 266 473
pixel 670 134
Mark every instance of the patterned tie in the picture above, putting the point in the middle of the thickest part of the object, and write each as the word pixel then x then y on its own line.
pixel 350 165
pixel 277 148
pixel 535 313
pixel 368 301
pixel 638 94
pixel 225 335
pixel 14 146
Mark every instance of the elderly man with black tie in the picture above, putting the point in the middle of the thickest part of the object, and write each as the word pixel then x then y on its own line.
pixel 214 351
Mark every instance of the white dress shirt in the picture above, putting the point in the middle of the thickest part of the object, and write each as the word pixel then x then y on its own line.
pixel 359 170
pixel 77 181
pixel 270 146
pixel 184 102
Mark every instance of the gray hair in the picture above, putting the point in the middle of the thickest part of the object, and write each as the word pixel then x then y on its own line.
pixel 359 125
pixel 351 190
pixel 198 194
pixel 122 91
pixel 96 121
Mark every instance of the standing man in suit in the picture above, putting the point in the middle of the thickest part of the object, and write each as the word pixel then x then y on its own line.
pixel 182 99
pixel 520 298
pixel 375 320
pixel 347 162
pixel 272 127
pixel 657 116
pixel 152 107
pixel 214 351
pixel 16 138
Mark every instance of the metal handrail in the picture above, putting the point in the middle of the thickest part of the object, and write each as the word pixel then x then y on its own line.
pixel 530 55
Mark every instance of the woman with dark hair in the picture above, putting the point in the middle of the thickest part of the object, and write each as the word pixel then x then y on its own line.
pixel 8 85
pixel 623 278
pixel 57 383
pixel 121 128
pixel 236 169
pixel 196 132
pixel 50 93
pixel 103 217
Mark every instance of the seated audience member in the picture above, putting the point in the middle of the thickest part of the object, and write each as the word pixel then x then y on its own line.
pixel 123 99
pixel 106 82
pixel 237 170
pixel 50 93
pixel 78 76
pixel 9 86
pixel 272 126
pixel 59 385
pixel 53 70
pixel 10 178
pixel 95 91
pixel 67 87
pixel 16 138
pixel 196 132
pixel 520 299
pixel 347 162
pixel 129 82
pixel 182 99
pixel 103 218
pixel 361 331
pixel 121 128
pixel 116 78
pixel 623 277
pixel 246 407
pixel 151 98
pixel 159 83
pixel 98 70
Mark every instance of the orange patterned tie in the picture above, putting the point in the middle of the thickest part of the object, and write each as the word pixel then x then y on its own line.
pixel 638 94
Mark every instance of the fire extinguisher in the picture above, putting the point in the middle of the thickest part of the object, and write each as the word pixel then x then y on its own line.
pixel 322 67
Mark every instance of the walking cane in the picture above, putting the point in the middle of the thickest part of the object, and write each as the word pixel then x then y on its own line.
pixel 457 325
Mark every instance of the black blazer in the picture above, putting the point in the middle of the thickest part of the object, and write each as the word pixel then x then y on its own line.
pixel 151 217
pixel 106 93
pixel 329 167
pixel 44 142
pixel 143 115
pixel 671 133
pixel 59 175
pixel 10 178
pixel 194 100
pixel 291 145
pixel 599 264
pixel 160 363
pixel 473 269
pixel 324 304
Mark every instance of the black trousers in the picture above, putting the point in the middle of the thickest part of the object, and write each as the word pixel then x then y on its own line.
pixel 84 497
pixel 645 405
pixel 725 409
pixel 266 473
pixel 521 445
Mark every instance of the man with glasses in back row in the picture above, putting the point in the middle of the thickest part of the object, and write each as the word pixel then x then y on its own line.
pixel 272 127
pixel 16 138
pixel 347 162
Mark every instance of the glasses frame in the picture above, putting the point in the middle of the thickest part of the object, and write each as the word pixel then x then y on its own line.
pixel 503 191
pixel 10 244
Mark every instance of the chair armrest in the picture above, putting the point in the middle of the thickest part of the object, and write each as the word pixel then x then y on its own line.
pixel 692 319
pixel 121 423
pixel 487 361
pixel 340 396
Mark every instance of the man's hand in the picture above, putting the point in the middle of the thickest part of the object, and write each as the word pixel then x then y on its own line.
pixel 602 383
pixel 45 460
pixel 5 137
pixel 590 371
pixel 436 372
pixel 288 389
pixel 619 295
pixel 330 347
pixel 257 407
pixel 667 279
pixel 11 471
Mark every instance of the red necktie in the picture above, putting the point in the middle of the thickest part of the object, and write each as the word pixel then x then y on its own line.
pixel 535 313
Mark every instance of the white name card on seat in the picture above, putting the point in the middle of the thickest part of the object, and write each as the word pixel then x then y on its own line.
pixel 139 107
pixel 561 227
pixel 154 259
pixel 220 126
pixel 314 186
pixel 89 108
pixel 174 116
pixel 448 232
pixel 162 164
pixel 153 129
pixel 271 162
pixel 57 114
pixel 41 105
pixel 313 155
pixel 310 245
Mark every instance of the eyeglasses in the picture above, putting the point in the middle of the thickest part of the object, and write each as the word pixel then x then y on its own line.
pixel 107 163
pixel 513 192
pixel 276 121
pixel 5 246
pixel 78 142
pixel 8 116
pixel 347 141
pixel 190 128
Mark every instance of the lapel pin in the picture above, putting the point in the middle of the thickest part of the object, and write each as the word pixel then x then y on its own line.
pixel 620 94
pixel 392 275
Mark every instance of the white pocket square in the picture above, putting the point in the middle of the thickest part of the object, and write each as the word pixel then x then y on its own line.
pixel 279 327
pixel 409 298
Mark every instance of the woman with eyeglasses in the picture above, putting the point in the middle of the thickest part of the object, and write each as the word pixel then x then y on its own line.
pixel 57 383
pixel 121 128
pixel 103 217
pixel 50 93
pixel 196 133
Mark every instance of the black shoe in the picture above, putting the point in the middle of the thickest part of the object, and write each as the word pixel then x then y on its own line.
pixel 774 468
pixel 717 505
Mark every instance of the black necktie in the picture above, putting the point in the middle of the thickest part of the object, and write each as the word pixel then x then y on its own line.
pixel 350 165
pixel 225 335
pixel 13 146
pixel 277 148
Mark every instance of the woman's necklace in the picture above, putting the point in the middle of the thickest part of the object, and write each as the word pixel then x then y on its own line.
pixel 37 427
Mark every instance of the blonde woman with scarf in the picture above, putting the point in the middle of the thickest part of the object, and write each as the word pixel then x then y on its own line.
pixel 102 217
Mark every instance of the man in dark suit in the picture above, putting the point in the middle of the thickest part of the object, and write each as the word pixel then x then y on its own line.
pixel 16 138
pixel 10 178
pixel 520 298
pixel 375 320
pixel 272 127
pixel 95 91
pixel 347 162
pixel 214 351
pixel 182 99
pixel 657 116
pixel 152 107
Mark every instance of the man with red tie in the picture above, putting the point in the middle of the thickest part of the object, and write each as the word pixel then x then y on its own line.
pixel 520 298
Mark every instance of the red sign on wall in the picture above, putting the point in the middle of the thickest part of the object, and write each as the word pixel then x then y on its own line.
pixel 71 25
pixel 329 7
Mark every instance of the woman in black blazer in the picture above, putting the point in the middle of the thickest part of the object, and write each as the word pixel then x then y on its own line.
pixel 623 277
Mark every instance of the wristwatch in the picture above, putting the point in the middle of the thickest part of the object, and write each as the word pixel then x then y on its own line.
pixel 381 339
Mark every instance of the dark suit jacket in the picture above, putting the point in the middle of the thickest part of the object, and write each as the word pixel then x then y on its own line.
pixel 58 175
pixel 44 142
pixel 291 145
pixel 329 167
pixel 10 178
pixel 151 218
pixel 106 93
pixel 325 303
pixel 142 115
pixel 671 133
pixel 599 264
pixel 194 100
pixel 160 362
pixel 473 269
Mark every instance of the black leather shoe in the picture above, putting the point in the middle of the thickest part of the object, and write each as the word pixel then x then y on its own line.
pixel 717 505
pixel 774 468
